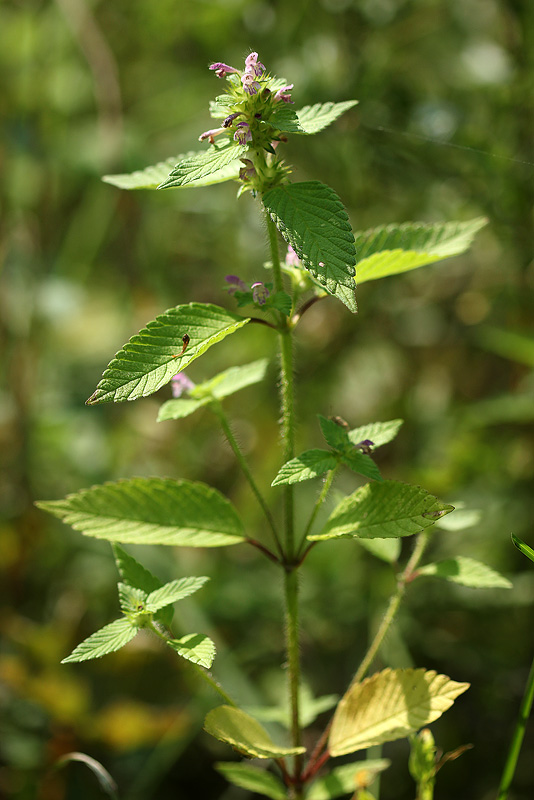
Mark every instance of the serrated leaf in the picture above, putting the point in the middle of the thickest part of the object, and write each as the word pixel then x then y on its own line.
pixel 253 778
pixel 386 549
pixel 221 107
pixel 240 730
pixel 108 639
pixel 379 433
pixel 523 547
pixel 148 361
pixel 308 465
pixel 134 574
pixel 194 647
pixel 218 164
pixel 383 510
pixel 173 591
pixel 347 778
pixel 152 511
pixel 393 249
pixel 285 119
pixel 390 705
pixel 467 572
pixel 148 178
pixel 131 598
pixel 312 219
pixel 313 119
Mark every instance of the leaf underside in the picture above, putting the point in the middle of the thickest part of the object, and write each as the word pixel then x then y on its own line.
pixel 313 119
pixel 151 358
pixel 312 219
pixel 392 249
pixel 195 647
pixel 467 572
pixel 240 730
pixel 152 511
pixel 253 778
pixel 390 705
pixel 347 778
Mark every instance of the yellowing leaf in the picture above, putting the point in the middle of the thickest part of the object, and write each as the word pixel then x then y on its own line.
pixel 390 705
pixel 235 727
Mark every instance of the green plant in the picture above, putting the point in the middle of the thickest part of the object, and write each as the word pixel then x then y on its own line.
pixel 322 257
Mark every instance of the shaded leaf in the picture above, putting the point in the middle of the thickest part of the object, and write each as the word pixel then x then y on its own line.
pixel 312 219
pixel 336 436
pixel 390 705
pixel 313 119
pixel 467 572
pixel 134 574
pixel 310 708
pixel 194 647
pixel 148 361
pixel 362 464
pixel 308 465
pixel 347 778
pixel 386 549
pixel 152 511
pixel 392 249
pixel 253 778
pixel 218 164
pixel 108 639
pixel 383 510
pixel 172 592
pixel 235 727
pixel 378 433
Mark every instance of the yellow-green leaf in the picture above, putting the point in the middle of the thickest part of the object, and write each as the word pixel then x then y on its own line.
pixel 390 705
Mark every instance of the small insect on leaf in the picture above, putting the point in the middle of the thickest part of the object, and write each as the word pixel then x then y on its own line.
pixel 185 342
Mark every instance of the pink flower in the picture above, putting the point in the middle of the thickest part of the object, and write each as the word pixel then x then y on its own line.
pixel 236 284
pixel 250 84
pixel 283 94
pixel 292 259
pixel 180 384
pixel 247 172
pixel 253 66
pixel 221 70
pixel 242 134
pixel 210 134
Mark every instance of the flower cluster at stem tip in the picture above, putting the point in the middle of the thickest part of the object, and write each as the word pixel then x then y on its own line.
pixel 248 111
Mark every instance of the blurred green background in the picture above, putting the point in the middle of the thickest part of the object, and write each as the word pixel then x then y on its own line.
pixel 444 130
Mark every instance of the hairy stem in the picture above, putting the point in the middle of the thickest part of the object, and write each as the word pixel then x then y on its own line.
pixel 216 406
pixel 288 448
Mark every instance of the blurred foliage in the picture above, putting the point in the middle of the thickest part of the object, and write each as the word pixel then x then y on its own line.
pixel 443 131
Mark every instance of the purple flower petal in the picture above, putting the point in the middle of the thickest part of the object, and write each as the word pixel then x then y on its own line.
pixel 236 284
pixel 260 293
pixel 253 66
pixel 242 134
pixel 221 70
pixel 283 94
